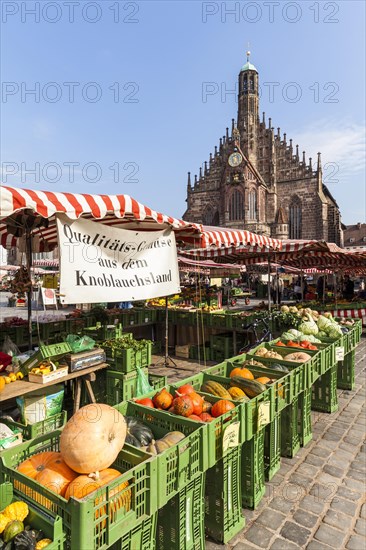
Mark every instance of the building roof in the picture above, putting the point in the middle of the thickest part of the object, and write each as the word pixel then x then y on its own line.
pixel 355 235
pixel 248 67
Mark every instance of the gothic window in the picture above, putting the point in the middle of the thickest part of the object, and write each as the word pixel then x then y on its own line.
pixel 210 217
pixel 252 83
pixel 252 205
pixel 245 82
pixel 236 206
pixel 295 219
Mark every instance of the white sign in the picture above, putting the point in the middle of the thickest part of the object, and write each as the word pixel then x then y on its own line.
pixel 99 263
pixel 48 296
pixel 339 353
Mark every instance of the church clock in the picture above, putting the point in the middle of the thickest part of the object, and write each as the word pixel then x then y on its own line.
pixel 235 159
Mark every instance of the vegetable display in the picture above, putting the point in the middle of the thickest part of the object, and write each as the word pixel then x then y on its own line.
pixel 14 535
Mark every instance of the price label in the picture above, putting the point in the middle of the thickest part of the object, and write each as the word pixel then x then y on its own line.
pixel 231 436
pixel 264 416
pixel 339 353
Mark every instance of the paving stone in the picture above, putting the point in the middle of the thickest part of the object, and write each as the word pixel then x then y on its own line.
pixel 333 471
pixel 329 444
pixel 295 533
pixel 363 511
pixel 298 479
pixel 352 484
pixel 305 519
pixel 209 545
pixel 345 492
pixel 307 470
pixel 356 543
pixel 337 462
pixel 259 535
pixel 316 545
pixel 329 436
pixel 271 518
pixel 359 465
pixel 327 479
pixel 343 505
pixel 314 461
pixel 312 504
pixel 281 504
pixel 282 544
pixel 355 474
pixel 360 527
pixel 320 451
pixel 325 534
pixel 352 441
pixel 337 519
pixel 323 493
pixel 239 546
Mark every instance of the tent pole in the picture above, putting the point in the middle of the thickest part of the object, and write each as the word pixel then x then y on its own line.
pixel 302 284
pixel 269 283
pixel 29 293
pixel 335 287
pixel 324 276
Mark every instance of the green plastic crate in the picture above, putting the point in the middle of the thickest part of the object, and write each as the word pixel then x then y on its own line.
pixel 157 381
pixel 200 352
pixel 127 360
pixel 304 418
pixel 42 427
pixel 272 447
pixel 120 386
pixel 290 437
pixel 219 320
pixel 346 372
pixel 180 463
pixel 223 509
pixel 51 527
pixel 181 521
pixel 324 392
pixel 90 522
pixel 252 471
pixel 141 537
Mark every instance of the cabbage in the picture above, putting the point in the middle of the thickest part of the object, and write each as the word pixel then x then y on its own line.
pixel 287 336
pixel 294 332
pixel 309 338
pixel 322 334
pixel 324 323
pixel 309 326
pixel 335 331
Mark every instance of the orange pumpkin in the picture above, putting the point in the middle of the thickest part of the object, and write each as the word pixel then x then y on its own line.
pixel 186 389
pixel 195 417
pixel 206 406
pixel 2 383
pixel 197 401
pixel 163 399
pixel 92 438
pixel 221 407
pixel 119 497
pixel 183 405
pixel 37 463
pixel 263 380
pixel 206 417
pixel 243 372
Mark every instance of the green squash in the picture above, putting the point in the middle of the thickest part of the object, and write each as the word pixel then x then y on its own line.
pixel 12 530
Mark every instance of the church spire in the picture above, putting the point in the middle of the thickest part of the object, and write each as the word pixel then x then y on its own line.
pixel 319 168
pixel 189 182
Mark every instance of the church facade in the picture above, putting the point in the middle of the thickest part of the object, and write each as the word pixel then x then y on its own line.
pixel 257 180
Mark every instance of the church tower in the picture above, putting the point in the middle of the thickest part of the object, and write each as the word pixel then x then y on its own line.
pixel 248 110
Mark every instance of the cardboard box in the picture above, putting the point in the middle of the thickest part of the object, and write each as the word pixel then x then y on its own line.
pixel 182 351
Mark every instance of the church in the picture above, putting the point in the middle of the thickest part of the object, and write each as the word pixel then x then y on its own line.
pixel 256 179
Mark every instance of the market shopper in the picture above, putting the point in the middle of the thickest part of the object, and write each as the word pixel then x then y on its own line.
pixel 276 289
pixel 349 288
pixel 320 288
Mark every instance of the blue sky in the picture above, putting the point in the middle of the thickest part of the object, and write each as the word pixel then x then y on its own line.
pixel 137 118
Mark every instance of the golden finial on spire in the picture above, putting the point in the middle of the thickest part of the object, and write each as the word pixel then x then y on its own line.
pixel 248 53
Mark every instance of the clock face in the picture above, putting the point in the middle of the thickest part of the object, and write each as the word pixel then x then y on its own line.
pixel 235 159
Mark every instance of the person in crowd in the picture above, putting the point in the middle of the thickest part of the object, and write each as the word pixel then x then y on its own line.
pixel 320 288
pixel 276 289
pixel 349 288
pixel 297 288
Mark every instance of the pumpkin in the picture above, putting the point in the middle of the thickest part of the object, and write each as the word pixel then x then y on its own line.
pixel 221 407
pixel 197 401
pixel 119 497
pixel 12 530
pixel 43 544
pixel 183 405
pixel 236 393
pixel 4 520
pixel 245 373
pixel 2 383
pixel 163 399
pixel 186 389
pixel 17 510
pixel 206 406
pixel 138 434
pixel 50 471
pixel 206 417
pixel 252 388
pixel 263 380
pixel 195 417
pixel 161 445
pixel 298 357
pixel 146 402
pixel 214 388
pixel 92 438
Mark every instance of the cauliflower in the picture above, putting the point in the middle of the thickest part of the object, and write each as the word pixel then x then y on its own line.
pixel 323 323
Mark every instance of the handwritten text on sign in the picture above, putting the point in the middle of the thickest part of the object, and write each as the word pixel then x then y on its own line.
pixel 99 263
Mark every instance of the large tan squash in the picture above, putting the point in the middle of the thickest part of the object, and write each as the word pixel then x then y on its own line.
pixel 92 438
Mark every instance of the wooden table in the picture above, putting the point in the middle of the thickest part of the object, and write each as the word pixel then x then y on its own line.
pixel 21 387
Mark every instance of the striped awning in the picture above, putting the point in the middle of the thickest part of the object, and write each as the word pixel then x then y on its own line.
pixel 17 205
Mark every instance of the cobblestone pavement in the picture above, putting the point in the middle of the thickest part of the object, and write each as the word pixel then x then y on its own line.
pixel 317 499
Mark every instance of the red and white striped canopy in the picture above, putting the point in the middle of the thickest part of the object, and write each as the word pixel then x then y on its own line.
pixel 221 237
pixel 112 210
